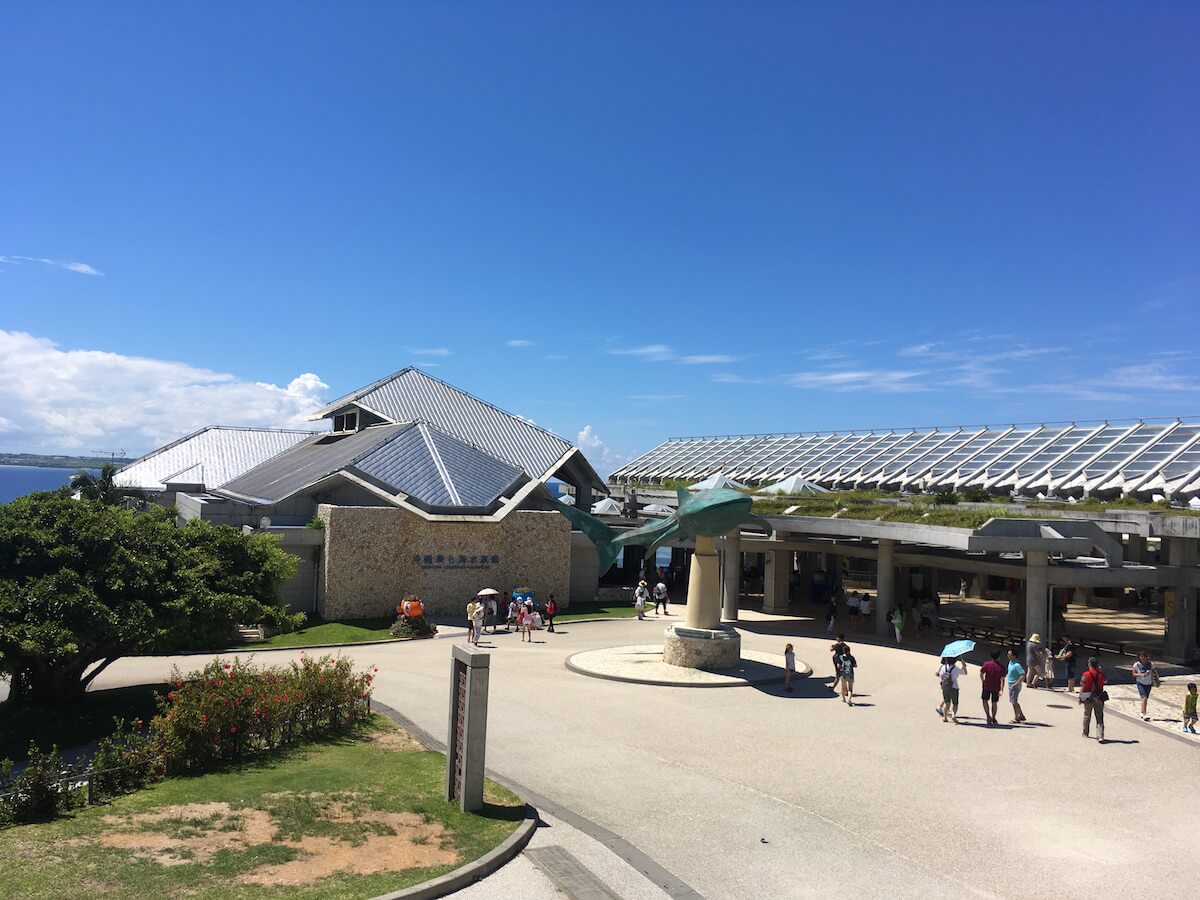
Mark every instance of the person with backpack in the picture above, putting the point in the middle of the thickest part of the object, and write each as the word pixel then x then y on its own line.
pixel 639 599
pixel 1093 696
pixel 846 664
pixel 836 649
pixel 948 674
pixel 551 612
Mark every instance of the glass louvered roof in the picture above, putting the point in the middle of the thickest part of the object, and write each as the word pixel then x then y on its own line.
pixel 1130 456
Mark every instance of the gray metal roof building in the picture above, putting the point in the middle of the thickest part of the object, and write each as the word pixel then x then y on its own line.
pixel 411 395
pixel 1075 459
pixel 208 457
pixel 429 468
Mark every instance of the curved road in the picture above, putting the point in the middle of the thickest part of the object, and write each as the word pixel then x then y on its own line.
pixel 748 792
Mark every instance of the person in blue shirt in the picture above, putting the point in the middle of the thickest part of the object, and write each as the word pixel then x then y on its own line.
pixel 1016 672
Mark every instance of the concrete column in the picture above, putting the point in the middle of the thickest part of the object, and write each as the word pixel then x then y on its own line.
pixel 732 575
pixel 885 586
pixel 704 586
pixel 776 570
pixel 1135 548
pixel 583 497
pixel 1037 603
pixel 631 561
pixel 1180 602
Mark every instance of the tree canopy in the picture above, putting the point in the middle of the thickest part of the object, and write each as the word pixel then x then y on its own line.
pixel 83 583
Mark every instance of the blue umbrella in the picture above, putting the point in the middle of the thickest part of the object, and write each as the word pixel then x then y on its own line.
pixel 955 649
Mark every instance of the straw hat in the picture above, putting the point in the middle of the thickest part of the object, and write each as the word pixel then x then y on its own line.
pixel 1036 638
pixel 641 584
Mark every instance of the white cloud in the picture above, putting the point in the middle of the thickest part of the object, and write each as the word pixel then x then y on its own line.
pixel 1151 376
pixel 648 352
pixel 518 342
pixel 917 349
pixel 57 400
pixel 602 457
pixel 81 268
pixel 885 380
pixel 707 359
pixel 428 351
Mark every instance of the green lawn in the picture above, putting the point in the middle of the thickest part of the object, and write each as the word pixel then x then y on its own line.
pixel 595 610
pixel 317 631
pixel 294 826
pixel 71 726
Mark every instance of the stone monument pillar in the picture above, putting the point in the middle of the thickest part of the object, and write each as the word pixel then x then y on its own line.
pixel 702 642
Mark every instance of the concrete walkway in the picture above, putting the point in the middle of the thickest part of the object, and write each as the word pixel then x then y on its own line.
pixel 753 792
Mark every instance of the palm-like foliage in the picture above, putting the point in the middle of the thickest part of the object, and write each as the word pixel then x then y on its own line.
pixel 102 487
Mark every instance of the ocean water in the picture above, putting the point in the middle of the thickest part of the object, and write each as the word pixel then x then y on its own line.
pixel 16 481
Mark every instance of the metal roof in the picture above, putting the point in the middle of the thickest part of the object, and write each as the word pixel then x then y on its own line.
pixel 1138 457
pixel 210 456
pixel 432 468
pixel 411 395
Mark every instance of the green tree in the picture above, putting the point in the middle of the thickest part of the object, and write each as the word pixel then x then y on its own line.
pixel 103 487
pixel 83 583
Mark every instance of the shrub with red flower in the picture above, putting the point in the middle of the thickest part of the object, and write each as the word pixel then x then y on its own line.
pixel 229 710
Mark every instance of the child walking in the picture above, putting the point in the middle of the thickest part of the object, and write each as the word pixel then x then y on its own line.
pixel 789 668
pixel 1189 708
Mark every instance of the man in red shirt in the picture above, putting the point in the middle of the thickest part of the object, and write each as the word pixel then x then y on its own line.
pixel 991 673
pixel 1092 696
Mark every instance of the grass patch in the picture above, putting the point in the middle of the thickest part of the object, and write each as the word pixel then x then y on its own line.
pixel 317 631
pixel 593 609
pixel 70 726
pixel 356 817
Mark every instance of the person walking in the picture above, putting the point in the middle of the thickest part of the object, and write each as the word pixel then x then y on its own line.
pixel 991 673
pixel 474 621
pixel 1016 672
pixel 1066 655
pixel 836 649
pixel 864 612
pixel 525 621
pixel 948 674
pixel 852 608
pixel 830 615
pixel 898 623
pixel 1033 660
pixel 514 615
pixel 660 597
pixel 1189 709
pixel 789 667
pixel 1144 674
pixel 489 612
pixel 846 664
pixel 927 610
pixel 551 612
pixel 1092 696
pixel 639 599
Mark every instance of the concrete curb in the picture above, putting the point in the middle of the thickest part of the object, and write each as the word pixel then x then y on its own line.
pixel 672 886
pixel 656 682
pixel 477 870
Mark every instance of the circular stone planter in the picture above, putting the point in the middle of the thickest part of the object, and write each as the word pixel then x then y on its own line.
pixel 702 648
pixel 643 664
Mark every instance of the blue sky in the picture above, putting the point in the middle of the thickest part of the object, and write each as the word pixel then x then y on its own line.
pixel 641 219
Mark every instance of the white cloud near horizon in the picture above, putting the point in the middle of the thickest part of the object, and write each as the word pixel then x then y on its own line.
pixel 428 351
pixel 59 400
pixel 603 458
pixel 518 342
pixel 79 267
pixel 648 352
pixel 703 359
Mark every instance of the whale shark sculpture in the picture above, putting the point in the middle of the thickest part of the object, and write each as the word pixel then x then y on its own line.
pixel 710 513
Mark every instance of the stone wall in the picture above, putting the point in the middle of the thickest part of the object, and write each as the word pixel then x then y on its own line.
pixel 375 555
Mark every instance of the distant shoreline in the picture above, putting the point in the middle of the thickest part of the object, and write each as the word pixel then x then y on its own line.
pixel 42 461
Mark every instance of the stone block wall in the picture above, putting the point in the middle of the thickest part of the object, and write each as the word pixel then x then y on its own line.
pixel 375 555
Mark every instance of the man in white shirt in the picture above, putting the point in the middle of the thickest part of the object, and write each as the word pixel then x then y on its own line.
pixel 864 611
pixel 660 598
pixel 852 608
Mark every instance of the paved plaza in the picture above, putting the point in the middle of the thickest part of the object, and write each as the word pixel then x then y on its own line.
pixel 752 792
